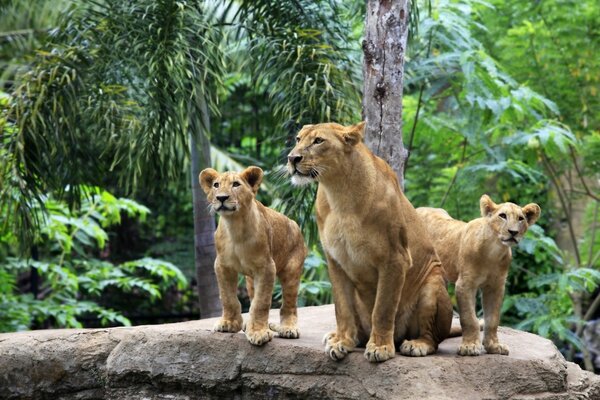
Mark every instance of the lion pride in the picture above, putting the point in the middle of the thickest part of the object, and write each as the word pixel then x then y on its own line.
pixel 387 280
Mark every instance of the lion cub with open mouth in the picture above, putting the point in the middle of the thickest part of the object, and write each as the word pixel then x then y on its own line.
pixel 477 255
pixel 260 243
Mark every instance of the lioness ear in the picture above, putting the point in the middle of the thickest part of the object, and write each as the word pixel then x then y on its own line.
pixel 206 178
pixel 532 212
pixel 486 205
pixel 354 134
pixel 253 175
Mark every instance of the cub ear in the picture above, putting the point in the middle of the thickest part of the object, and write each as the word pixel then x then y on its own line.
pixel 486 205
pixel 253 175
pixel 206 178
pixel 532 212
pixel 354 134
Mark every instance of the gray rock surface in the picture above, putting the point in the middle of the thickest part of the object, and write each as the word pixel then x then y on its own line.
pixel 188 361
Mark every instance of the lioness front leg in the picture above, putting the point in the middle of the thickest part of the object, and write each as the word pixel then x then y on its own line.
pixel 257 328
pixel 380 346
pixel 231 320
pixel 492 302
pixel 465 295
pixel 345 338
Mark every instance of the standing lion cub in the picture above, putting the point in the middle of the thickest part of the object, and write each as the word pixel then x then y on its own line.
pixel 260 243
pixel 477 255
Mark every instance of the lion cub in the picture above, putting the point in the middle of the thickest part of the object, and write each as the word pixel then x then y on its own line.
pixel 478 255
pixel 260 243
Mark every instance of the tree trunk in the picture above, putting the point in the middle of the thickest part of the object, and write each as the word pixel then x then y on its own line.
pixel 204 222
pixel 383 71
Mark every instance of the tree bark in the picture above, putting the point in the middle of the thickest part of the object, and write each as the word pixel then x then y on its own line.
pixel 204 222
pixel 383 71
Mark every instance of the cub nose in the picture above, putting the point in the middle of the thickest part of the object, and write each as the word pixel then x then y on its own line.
pixel 222 198
pixel 294 159
pixel 513 233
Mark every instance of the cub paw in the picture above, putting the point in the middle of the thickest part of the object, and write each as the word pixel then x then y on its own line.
pixel 416 348
pixel 470 349
pixel 336 348
pixel 259 337
pixel 496 348
pixel 285 331
pixel 375 353
pixel 227 325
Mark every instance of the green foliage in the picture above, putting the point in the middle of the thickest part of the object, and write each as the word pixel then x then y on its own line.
pixel 72 279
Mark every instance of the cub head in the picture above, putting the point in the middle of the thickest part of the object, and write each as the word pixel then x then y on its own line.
pixel 320 150
pixel 508 220
pixel 230 192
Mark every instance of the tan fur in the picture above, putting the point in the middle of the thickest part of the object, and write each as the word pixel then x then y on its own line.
pixel 260 243
pixel 477 255
pixel 387 280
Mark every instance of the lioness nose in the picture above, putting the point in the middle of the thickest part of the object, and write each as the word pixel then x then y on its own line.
pixel 294 159
pixel 513 233
pixel 222 198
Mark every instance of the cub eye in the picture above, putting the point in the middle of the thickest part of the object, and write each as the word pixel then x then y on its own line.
pixel 502 215
pixel 216 184
pixel 235 184
pixel 297 139
pixel 318 140
pixel 521 218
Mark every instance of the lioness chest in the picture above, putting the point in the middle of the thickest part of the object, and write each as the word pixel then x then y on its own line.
pixel 354 245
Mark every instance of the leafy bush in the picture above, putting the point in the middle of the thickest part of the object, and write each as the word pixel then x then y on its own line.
pixel 72 273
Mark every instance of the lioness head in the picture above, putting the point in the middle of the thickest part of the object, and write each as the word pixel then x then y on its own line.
pixel 508 220
pixel 319 150
pixel 230 191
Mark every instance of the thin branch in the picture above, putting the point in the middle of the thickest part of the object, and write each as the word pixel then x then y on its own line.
pixel 419 104
pixel 563 202
pixel 462 160
pixel 580 175
pixel 593 238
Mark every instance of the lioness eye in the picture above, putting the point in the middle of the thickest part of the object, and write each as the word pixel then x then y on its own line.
pixel 297 139
pixel 318 140
pixel 502 215
pixel 236 184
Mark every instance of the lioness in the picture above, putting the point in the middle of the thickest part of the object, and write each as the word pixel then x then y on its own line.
pixel 388 284
pixel 258 242
pixel 477 255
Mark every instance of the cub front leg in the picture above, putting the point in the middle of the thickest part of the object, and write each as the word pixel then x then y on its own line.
pixel 492 303
pixel 465 295
pixel 257 328
pixel 390 282
pixel 289 277
pixel 345 338
pixel 231 320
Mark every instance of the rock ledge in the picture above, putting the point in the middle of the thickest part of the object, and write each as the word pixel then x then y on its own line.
pixel 188 361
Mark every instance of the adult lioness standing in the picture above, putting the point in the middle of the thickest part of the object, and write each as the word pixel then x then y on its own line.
pixel 258 242
pixel 387 280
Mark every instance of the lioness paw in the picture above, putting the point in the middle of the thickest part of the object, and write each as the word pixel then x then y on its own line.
pixel 470 349
pixel 496 348
pixel 285 331
pixel 335 348
pixel 259 337
pixel 375 353
pixel 416 348
pixel 226 325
